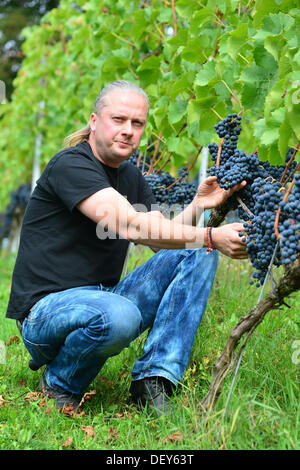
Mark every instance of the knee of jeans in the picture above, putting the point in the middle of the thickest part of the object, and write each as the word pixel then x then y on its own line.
pixel 115 328
pixel 125 325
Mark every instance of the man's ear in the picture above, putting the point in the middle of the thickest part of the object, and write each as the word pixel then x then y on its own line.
pixel 93 119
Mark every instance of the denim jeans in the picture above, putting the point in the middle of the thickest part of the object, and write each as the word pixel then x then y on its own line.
pixel 76 330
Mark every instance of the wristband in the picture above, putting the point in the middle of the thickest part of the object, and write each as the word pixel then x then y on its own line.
pixel 209 241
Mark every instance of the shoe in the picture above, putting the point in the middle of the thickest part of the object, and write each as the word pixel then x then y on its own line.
pixel 152 393
pixel 61 397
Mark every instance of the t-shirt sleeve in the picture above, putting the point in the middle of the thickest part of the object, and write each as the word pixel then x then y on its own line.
pixel 74 178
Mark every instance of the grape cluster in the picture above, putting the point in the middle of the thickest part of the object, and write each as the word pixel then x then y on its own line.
pixel 262 196
pixel 261 239
pixel 234 165
pixel 181 193
pixel 229 129
pixel 289 227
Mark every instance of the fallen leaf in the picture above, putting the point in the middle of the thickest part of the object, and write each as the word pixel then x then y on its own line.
pixel 69 410
pixel 68 442
pixel 13 339
pixel 123 376
pixel 175 437
pixel 105 380
pixel 186 401
pixel 2 400
pixel 119 416
pixel 112 433
pixel 89 431
pixel 33 396
pixel 87 396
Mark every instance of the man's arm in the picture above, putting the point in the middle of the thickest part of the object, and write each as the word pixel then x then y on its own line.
pixel 114 214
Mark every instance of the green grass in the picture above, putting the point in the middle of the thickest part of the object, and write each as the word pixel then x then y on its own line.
pixel 264 408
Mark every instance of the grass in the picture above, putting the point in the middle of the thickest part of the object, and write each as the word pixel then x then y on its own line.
pixel 264 408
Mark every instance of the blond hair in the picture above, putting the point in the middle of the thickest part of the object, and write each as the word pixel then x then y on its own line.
pixel 83 134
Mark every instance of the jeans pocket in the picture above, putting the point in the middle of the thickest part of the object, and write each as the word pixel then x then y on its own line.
pixel 40 353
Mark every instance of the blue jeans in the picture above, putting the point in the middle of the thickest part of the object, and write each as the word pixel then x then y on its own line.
pixel 76 330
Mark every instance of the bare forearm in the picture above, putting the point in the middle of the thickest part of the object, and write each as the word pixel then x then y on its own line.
pixel 160 232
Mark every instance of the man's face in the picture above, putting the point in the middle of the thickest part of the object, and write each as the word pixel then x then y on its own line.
pixel 117 131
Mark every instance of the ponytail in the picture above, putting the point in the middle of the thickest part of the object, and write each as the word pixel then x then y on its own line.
pixel 77 137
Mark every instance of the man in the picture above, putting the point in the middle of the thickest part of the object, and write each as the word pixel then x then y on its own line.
pixel 66 288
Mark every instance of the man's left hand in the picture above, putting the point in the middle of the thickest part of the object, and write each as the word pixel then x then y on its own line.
pixel 210 194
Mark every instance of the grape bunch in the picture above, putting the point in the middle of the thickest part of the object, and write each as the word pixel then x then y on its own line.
pixel 261 239
pixel 290 225
pixel 261 198
pixel 181 193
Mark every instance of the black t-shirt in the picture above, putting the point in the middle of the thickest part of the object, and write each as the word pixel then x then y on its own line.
pixel 59 247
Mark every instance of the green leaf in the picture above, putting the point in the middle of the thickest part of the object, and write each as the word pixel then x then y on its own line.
pixel 285 134
pixel 206 74
pixel 181 145
pixel 294 120
pixel 201 18
pixel 209 117
pixel 177 109
pixel 296 58
pixel 275 97
pixel 160 111
pixel 195 107
pixel 185 9
pixel 124 53
pixel 285 66
pixel 272 125
pixel 180 85
pixel 195 48
pixel 259 128
pixel 179 40
pixel 150 63
pixel 274 45
pixel 263 8
pixel 236 40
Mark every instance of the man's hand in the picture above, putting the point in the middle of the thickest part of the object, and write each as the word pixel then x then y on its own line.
pixel 210 194
pixel 227 240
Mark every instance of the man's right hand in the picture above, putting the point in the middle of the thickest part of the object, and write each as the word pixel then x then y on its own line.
pixel 227 240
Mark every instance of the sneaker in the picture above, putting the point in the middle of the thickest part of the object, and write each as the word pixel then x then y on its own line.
pixel 152 393
pixel 61 397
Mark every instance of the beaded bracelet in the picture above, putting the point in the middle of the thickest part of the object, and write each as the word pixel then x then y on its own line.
pixel 209 241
